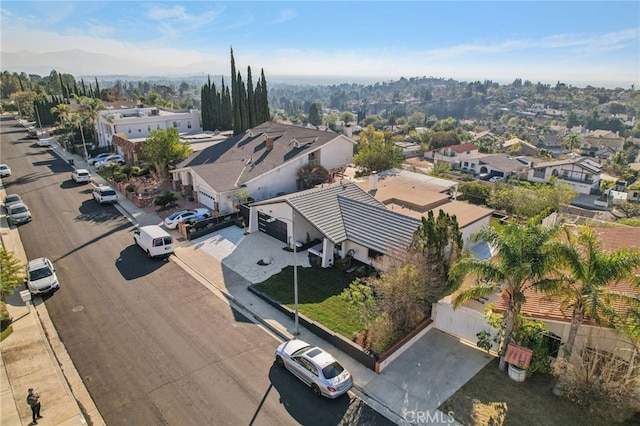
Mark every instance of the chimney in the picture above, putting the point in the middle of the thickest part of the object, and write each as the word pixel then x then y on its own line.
pixel 373 181
pixel 269 143
pixel 347 130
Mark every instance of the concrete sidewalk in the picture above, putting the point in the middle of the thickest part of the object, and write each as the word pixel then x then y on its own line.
pixel 225 262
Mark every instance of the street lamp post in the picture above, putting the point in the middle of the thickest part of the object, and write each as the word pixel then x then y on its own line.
pixel 296 331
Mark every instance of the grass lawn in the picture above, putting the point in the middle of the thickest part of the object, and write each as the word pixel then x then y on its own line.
pixel 318 300
pixel 492 398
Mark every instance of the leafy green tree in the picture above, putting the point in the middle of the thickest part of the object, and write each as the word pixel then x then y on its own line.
pixel 162 148
pixel 530 201
pixel 376 152
pixel 585 272
pixel 11 273
pixel 520 261
pixel 474 192
pixel 347 117
pixel 312 175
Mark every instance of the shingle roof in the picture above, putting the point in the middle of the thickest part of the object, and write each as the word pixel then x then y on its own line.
pixel 502 162
pixel 244 157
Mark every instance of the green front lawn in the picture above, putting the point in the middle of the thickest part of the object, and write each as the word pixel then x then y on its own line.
pixel 318 300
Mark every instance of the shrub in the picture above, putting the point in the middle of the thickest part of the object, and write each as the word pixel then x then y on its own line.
pixel 130 187
pixel 119 176
pixel 166 199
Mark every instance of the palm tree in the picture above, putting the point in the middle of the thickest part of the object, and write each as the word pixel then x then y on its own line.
pixel 90 111
pixel 583 278
pixel 520 261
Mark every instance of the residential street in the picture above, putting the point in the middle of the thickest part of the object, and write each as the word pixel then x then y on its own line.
pixel 152 345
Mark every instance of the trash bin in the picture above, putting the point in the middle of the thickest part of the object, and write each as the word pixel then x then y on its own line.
pixel 71 161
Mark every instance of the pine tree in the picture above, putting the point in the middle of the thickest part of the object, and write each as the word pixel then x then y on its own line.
pixel 264 101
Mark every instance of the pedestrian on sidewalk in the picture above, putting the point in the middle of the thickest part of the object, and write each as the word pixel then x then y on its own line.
pixel 33 399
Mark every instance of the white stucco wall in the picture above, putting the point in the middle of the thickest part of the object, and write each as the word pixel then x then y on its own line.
pixel 111 122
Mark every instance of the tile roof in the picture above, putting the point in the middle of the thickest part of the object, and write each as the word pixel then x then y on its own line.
pixel 346 212
pixel 463 147
pixel 539 305
pixel 242 158
pixel 320 207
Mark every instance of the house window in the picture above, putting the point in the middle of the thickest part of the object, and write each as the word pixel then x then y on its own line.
pixel 188 124
pixel 635 194
pixel 149 128
pixel 374 254
pixel 158 126
pixel 552 342
pixel 466 164
pixel 175 124
pixel 129 130
pixel 139 130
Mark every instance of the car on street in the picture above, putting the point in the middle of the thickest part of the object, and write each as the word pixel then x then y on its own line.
pixel 93 160
pixel 172 221
pixel 19 213
pixel 41 276
pixel 44 142
pixel 105 194
pixel 10 200
pixel 110 160
pixel 315 367
pixel 495 179
pixel 5 170
pixel 81 176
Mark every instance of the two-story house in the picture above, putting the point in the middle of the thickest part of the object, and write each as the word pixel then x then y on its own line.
pixel 262 162
pixel 581 174
pixel 601 143
pixel 139 122
pixel 453 154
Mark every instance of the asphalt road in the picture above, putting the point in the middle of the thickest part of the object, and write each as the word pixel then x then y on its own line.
pixel 152 345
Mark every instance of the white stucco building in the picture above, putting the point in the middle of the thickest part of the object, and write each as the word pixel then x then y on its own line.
pixel 138 122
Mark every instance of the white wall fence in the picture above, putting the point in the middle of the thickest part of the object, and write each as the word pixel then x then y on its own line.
pixel 463 323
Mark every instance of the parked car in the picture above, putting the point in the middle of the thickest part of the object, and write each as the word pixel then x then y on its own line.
pixel 105 194
pixel 44 141
pixel 19 213
pixel 81 176
pixel 10 200
pixel 92 161
pixel 41 276
pixel 315 367
pixel 495 179
pixel 112 159
pixel 172 221
pixel 5 170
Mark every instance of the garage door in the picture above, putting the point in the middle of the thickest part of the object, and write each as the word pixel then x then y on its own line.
pixel 276 229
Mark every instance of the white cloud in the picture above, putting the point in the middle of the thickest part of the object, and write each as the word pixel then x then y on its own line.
pixel 175 20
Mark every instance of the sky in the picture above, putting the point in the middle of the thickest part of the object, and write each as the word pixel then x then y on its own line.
pixel 575 42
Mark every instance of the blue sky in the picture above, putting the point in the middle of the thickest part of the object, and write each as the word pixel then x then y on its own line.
pixel 580 43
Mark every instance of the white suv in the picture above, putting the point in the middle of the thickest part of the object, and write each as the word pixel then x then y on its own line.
pixel 105 194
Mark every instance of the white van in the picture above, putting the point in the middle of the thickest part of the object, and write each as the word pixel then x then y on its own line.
pixel 154 240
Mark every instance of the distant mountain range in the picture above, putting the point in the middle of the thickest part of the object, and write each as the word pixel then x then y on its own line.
pixel 81 64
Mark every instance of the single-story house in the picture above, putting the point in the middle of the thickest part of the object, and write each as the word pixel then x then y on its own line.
pixel 343 217
pixel 501 165
pixel 258 164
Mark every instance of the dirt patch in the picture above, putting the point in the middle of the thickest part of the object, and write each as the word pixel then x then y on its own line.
pixel 492 398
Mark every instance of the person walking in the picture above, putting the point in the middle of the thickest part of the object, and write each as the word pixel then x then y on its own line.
pixel 33 399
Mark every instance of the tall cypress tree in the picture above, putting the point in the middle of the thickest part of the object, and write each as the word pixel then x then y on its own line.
pixel 235 98
pixel 264 99
pixel 251 106
pixel 97 92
